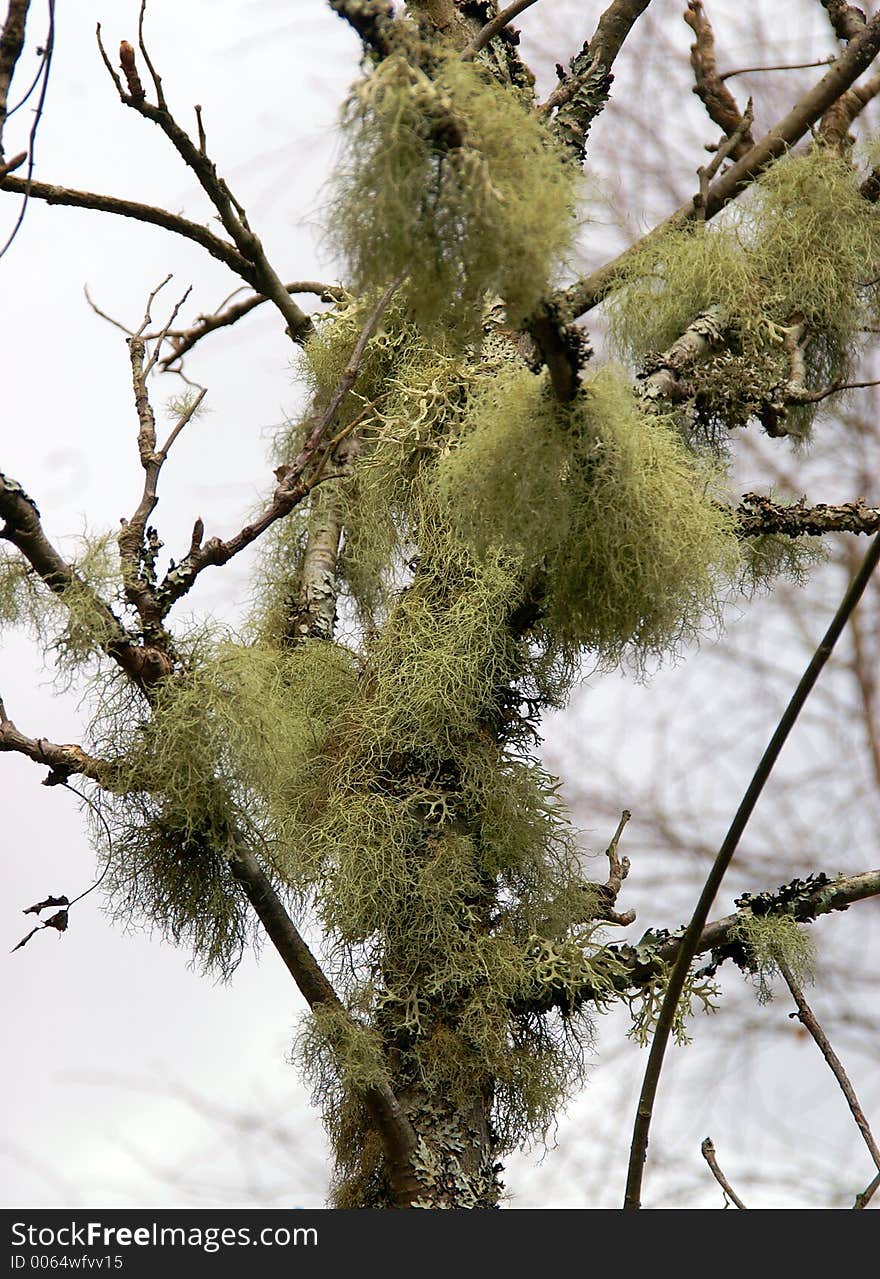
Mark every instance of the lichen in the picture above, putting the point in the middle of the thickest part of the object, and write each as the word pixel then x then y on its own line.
pixel 450 177
pixel 769 938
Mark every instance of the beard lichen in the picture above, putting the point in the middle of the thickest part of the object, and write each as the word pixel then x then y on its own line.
pixel 616 514
pixel 450 177
pixel 767 267
pixel 767 940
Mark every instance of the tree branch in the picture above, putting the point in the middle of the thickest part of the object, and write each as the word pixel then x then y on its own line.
pixel 219 249
pixel 808 1019
pixel 707 1150
pixel 757 515
pixel 589 291
pixel 691 938
pixel 373 20
pixel 719 102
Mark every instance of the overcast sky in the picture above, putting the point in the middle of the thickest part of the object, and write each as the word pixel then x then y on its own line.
pixel 120 1060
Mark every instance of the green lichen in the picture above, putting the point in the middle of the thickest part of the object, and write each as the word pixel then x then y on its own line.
pixel 450 177
pixel 603 502
pixel 767 265
pixel 772 938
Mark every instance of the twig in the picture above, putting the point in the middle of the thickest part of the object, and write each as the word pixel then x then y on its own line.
pixel 493 27
pixel 618 869
pixel 707 1150
pixel 292 485
pixel 781 66
pixel 808 1019
pixel 722 861
pixel 728 146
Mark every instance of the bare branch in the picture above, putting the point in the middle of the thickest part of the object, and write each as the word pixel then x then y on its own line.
pixel 808 1019
pixel 709 88
pixel 707 1150
pixel 220 249
pixel 494 26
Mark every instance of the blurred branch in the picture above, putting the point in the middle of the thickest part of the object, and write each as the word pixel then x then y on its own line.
pixel 846 19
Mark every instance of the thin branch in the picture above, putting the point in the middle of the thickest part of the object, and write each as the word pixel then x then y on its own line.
pixel 292 485
pixel 589 291
pixel 220 249
pixel 837 120
pixel 779 66
pixel 808 1019
pixel 494 26
pixel 691 938
pixel 707 1150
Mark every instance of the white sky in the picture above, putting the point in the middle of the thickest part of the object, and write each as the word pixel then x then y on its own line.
pixel 110 1036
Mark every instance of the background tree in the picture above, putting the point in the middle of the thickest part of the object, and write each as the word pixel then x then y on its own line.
pixel 486 478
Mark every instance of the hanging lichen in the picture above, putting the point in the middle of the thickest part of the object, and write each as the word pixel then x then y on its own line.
pixel 451 178
pixel 769 939
pixel 792 298
pixel 618 521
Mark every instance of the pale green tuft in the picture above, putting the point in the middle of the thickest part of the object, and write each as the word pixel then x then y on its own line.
pixel 768 266
pixel 451 178
pixel 769 939
pixel 602 502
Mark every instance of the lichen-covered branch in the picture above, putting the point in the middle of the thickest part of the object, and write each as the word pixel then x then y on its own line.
pixel 757 515
pixel 589 291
